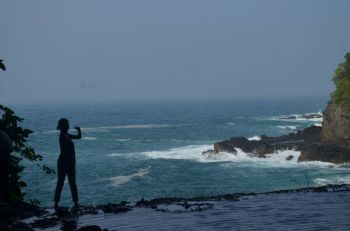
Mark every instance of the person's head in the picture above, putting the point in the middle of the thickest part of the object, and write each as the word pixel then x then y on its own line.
pixel 63 125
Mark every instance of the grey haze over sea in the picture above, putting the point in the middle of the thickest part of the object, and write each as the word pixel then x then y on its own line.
pixel 131 151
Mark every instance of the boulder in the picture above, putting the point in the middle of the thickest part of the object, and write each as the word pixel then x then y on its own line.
pixel 290 157
pixel 224 146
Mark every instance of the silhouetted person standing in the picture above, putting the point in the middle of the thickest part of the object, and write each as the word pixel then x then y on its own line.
pixel 66 161
pixel 6 148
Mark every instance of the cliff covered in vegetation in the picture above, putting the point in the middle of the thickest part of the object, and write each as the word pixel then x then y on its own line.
pixel 336 120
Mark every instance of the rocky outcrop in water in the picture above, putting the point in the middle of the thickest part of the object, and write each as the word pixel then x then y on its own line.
pixel 315 143
pixel 334 144
pixel 268 145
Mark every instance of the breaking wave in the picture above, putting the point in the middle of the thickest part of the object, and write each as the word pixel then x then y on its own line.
pixel 121 140
pixel 119 180
pixel 254 138
pixel 332 180
pixel 194 153
pixel 290 127
pixel 310 117
pixel 191 152
pixel 89 138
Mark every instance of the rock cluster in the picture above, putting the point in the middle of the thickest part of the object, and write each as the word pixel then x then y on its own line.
pixel 269 145
pixel 329 143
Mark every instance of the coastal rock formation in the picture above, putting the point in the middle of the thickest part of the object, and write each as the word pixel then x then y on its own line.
pixel 308 141
pixel 336 125
pixel 268 145
pixel 334 145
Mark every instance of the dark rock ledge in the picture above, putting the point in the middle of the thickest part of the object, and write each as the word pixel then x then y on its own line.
pixel 12 214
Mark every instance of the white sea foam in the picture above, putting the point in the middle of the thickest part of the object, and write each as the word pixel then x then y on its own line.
pixel 89 138
pixel 230 123
pixel 318 124
pixel 332 180
pixel 290 127
pixel 119 180
pixel 278 159
pixel 300 117
pixel 254 138
pixel 118 154
pixel 121 140
pixel 194 153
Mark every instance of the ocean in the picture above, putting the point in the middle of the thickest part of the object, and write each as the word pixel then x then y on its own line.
pixel 148 150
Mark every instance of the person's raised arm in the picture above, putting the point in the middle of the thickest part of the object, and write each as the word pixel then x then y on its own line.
pixel 76 136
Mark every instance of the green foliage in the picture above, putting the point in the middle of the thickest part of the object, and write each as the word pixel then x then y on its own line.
pixel 342 82
pixel 19 136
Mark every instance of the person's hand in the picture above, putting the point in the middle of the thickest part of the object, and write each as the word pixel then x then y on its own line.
pixel 77 128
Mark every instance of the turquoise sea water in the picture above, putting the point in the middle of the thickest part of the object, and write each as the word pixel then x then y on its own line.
pixel 135 150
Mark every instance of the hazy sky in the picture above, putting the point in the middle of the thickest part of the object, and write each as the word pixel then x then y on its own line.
pixel 151 50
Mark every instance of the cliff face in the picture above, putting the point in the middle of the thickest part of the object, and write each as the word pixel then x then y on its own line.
pixel 336 125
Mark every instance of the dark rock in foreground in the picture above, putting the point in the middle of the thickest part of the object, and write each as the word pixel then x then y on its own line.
pixel 11 212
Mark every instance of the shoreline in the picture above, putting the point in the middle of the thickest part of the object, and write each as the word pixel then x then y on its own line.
pixel 73 219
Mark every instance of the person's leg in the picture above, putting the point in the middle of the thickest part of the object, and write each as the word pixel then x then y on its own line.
pixel 61 175
pixel 72 183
